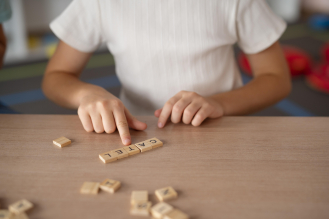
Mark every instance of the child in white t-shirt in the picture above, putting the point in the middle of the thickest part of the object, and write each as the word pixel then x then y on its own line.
pixel 174 58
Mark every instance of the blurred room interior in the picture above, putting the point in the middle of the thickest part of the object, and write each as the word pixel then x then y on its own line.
pixel 31 44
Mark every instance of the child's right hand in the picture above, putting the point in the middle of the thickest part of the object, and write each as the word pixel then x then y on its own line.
pixel 105 112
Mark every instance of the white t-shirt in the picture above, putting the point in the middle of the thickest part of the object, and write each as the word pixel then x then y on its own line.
pixel 163 47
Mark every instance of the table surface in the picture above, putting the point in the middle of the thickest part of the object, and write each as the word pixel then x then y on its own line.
pixel 234 167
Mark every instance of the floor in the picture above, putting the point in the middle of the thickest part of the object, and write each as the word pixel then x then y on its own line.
pixel 20 84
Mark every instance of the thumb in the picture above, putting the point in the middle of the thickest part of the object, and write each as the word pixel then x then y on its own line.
pixel 133 122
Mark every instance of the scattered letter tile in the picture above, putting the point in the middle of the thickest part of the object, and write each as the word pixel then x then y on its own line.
pixel 62 142
pixel 108 157
pixel 5 214
pixel 166 193
pixel 110 185
pixel 141 208
pixel 161 209
pixel 139 196
pixel 89 188
pixel 176 214
pixel 20 206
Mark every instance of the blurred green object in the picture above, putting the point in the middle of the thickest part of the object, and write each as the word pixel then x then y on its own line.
pixel 5 10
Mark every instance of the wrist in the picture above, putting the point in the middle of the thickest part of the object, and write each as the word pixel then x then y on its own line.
pixel 219 103
pixel 89 89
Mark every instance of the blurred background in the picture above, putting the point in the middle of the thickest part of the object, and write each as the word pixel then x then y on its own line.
pixel 31 44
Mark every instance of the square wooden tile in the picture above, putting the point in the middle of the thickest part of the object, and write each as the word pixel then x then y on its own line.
pixel 20 216
pixel 89 188
pixel 110 185
pixel 62 142
pixel 5 214
pixel 166 193
pixel 144 146
pixel 161 209
pixel 132 149
pixel 176 214
pixel 154 142
pixel 20 206
pixel 120 153
pixel 139 196
pixel 141 209
pixel 108 157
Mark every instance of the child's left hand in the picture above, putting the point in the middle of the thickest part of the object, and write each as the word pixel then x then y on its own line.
pixel 189 107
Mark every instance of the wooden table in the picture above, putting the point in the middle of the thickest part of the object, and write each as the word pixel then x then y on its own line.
pixel 235 167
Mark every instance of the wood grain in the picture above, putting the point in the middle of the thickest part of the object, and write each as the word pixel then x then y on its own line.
pixel 234 167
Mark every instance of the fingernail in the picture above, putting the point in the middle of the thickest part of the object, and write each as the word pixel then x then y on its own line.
pixel 160 125
pixel 126 141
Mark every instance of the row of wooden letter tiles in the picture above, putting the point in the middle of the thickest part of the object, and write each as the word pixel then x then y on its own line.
pixel 130 150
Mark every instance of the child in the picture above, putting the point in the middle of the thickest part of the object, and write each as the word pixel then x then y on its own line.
pixel 175 56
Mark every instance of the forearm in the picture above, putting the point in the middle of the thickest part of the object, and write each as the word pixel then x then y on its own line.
pixel 66 89
pixel 261 92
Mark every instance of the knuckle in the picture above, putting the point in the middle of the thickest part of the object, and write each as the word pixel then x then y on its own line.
pixel 188 113
pixel 208 106
pixel 91 106
pixel 117 103
pixel 193 94
pixel 201 116
pixel 122 124
pixel 103 103
pixel 177 108
pixel 169 104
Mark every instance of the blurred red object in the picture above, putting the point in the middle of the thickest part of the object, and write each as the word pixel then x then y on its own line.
pixel 325 53
pixel 299 61
pixel 319 78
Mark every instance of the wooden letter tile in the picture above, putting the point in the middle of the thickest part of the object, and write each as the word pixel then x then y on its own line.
pixel 139 196
pixel 176 214
pixel 141 208
pixel 20 206
pixel 20 216
pixel 161 209
pixel 108 157
pixel 5 214
pixel 110 185
pixel 144 146
pixel 89 188
pixel 132 149
pixel 166 193
pixel 155 142
pixel 62 142
pixel 121 153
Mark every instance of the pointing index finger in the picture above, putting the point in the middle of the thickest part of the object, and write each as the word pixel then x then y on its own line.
pixel 122 125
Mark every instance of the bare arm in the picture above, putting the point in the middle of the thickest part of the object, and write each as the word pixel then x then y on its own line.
pixel 271 83
pixel 98 109
pixel 61 81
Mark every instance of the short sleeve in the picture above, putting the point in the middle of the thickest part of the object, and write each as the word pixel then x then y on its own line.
pixel 79 25
pixel 5 10
pixel 257 26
